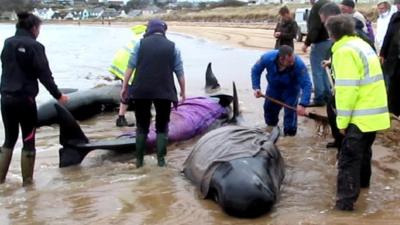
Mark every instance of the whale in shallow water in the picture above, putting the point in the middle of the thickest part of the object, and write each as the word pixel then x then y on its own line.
pixel 238 167
pixel 82 104
pixel 192 117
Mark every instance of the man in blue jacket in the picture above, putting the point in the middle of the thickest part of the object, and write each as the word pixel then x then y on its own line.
pixel 287 78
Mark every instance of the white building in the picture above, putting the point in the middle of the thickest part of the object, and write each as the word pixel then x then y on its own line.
pixel 105 1
pixel 45 14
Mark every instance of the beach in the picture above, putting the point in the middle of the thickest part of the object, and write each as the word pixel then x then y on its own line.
pixel 106 188
pixel 258 36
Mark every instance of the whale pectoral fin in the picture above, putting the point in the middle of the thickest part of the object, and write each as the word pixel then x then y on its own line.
pixel 71 156
pixel 68 90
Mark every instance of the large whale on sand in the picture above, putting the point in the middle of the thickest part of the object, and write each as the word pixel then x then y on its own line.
pixel 191 117
pixel 238 167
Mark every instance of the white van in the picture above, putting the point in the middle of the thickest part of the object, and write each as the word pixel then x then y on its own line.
pixel 301 17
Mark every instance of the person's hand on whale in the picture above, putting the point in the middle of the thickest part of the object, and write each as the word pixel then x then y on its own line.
pixel 63 99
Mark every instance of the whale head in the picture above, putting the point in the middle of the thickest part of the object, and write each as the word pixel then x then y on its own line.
pixel 247 187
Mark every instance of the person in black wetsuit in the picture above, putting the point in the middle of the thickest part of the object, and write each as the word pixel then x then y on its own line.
pixel 24 62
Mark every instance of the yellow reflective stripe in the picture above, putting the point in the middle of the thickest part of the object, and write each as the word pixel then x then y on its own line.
pixel 363 57
pixel 120 73
pixel 127 49
pixel 365 81
pixel 362 112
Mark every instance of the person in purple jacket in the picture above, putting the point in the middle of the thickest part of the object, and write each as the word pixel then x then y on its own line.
pixel 24 62
pixel 287 78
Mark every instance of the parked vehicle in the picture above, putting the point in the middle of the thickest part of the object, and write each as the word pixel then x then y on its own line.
pixel 301 17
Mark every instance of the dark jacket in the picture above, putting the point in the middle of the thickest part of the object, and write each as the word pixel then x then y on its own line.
pixel 316 29
pixel 288 31
pixel 390 50
pixel 23 62
pixel 391 66
pixel 154 70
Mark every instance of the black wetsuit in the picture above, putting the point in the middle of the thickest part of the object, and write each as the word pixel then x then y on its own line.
pixel 23 62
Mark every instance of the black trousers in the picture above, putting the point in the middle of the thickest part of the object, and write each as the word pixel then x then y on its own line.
pixel 354 164
pixel 19 111
pixel 331 112
pixel 143 114
pixel 393 91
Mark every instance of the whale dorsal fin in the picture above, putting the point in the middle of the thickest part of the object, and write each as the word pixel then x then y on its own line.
pixel 211 81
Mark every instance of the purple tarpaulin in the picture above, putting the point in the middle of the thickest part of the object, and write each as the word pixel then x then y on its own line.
pixel 192 117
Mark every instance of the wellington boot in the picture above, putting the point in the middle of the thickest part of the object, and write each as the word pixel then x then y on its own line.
pixel 27 167
pixel 140 149
pixel 5 159
pixel 162 141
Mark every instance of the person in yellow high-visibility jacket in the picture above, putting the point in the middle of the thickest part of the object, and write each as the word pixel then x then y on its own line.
pixel 361 102
pixel 119 65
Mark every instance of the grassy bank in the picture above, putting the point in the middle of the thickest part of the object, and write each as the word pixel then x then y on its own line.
pixel 247 14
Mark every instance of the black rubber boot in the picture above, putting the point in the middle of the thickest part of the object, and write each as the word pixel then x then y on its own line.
pixel 5 159
pixel 121 121
pixel 162 141
pixel 27 167
pixel 140 149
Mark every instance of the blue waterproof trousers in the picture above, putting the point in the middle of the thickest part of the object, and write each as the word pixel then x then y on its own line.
pixel 271 110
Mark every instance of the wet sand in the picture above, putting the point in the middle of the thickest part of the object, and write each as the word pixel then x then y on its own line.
pixel 252 36
pixel 260 37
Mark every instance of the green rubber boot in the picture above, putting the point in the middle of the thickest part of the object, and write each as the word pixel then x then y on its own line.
pixel 27 167
pixel 162 141
pixel 5 159
pixel 140 149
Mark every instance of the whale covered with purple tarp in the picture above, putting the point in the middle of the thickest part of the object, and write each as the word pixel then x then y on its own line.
pixel 190 118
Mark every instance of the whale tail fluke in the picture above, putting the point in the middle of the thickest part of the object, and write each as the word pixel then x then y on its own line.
pixel 71 136
pixel 211 81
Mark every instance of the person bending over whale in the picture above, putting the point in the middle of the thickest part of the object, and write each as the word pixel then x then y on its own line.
pixel 287 76
pixel 118 68
pixel 23 63
pixel 155 59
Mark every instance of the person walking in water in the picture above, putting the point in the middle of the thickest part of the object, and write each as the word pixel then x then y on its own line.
pixel 155 59
pixel 24 62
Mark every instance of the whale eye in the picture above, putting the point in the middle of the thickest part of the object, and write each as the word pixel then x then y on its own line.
pixel 216 196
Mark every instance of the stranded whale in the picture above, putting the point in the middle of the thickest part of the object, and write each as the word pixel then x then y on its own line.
pixel 192 117
pixel 82 104
pixel 238 167
pixel 88 103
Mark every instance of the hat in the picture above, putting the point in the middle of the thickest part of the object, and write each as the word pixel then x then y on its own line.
pixel 155 26
pixel 349 3
pixel 382 1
